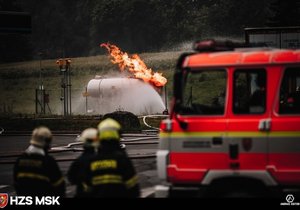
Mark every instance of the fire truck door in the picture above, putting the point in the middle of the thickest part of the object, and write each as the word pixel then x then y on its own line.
pixel 248 125
pixel 284 140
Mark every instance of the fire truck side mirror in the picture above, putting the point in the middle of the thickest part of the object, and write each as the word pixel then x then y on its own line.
pixel 177 85
pixel 176 107
pixel 183 125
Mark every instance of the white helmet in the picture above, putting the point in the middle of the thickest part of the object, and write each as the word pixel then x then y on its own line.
pixel 90 137
pixel 109 129
pixel 41 137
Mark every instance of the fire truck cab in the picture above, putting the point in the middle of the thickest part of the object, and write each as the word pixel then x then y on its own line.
pixel 234 126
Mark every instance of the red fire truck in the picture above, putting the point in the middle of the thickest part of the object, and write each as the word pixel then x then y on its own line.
pixel 234 127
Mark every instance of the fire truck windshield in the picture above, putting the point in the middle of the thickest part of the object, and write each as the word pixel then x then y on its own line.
pixel 204 93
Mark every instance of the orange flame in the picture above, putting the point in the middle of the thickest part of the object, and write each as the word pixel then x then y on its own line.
pixel 135 65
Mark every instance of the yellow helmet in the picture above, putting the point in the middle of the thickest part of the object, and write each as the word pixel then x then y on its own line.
pixel 90 137
pixel 109 129
pixel 41 137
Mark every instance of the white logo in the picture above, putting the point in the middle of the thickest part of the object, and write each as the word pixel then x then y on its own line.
pixel 290 201
pixel 289 198
pixel 30 200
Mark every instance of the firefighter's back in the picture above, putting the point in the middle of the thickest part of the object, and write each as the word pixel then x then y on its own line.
pixel 37 175
pixel 111 172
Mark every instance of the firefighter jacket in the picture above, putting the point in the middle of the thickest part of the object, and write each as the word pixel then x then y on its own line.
pixel 111 173
pixel 75 175
pixel 37 174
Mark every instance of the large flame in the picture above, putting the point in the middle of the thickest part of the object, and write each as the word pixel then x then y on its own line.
pixel 135 65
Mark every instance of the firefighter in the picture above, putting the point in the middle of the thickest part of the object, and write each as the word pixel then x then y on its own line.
pixel 111 173
pixel 89 137
pixel 35 172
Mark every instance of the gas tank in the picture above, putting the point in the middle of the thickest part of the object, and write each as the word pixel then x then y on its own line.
pixel 123 94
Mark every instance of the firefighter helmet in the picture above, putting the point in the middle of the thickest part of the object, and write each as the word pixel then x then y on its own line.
pixel 41 137
pixel 109 129
pixel 89 137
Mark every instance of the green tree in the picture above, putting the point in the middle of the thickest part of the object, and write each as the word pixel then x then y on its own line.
pixel 285 13
pixel 13 47
pixel 76 27
pixel 230 17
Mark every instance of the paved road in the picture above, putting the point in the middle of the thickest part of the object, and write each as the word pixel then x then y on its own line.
pixel 16 144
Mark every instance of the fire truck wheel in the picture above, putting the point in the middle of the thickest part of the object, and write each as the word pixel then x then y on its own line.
pixel 237 188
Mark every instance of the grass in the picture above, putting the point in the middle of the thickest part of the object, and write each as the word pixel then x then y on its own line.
pixel 154 122
pixel 19 80
pixel 73 124
pixel 54 124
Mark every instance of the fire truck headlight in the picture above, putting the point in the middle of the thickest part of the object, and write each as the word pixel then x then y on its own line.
pixel 167 125
pixel 162 157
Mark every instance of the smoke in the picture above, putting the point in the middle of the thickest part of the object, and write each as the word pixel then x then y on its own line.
pixel 186 46
pixel 231 38
pixel 123 94
pixel 182 46
pixel 114 73
pixel 79 103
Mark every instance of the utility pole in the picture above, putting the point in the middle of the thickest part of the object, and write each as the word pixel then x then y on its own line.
pixel 86 94
pixel 40 102
pixel 166 111
pixel 65 71
pixel 41 79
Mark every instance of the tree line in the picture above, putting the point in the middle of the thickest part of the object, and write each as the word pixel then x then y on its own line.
pixel 70 28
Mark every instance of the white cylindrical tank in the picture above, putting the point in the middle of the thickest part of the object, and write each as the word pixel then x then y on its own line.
pixel 123 94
